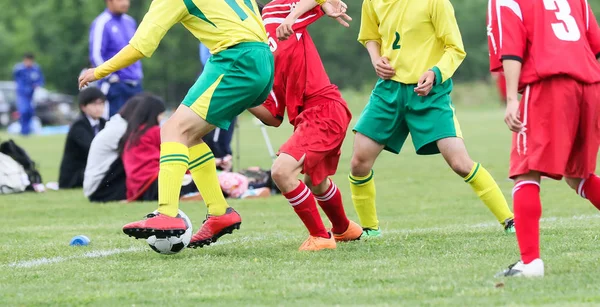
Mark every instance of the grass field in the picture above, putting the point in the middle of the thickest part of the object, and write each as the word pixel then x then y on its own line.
pixel 440 246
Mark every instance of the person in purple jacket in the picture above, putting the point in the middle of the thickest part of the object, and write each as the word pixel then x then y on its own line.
pixel 109 33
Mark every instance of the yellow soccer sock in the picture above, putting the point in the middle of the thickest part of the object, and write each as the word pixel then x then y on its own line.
pixel 173 164
pixel 204 171
pixel 363 198
pixel 488 191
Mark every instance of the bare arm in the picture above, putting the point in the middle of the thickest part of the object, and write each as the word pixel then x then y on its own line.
pixel 374 50
pixel 265 116
pixel 512 73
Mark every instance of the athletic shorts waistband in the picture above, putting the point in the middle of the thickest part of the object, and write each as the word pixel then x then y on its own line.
pixel 245 45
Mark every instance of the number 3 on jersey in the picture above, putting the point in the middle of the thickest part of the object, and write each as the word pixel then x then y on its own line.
pixel 566 29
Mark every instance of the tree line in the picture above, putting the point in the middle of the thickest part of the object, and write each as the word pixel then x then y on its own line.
pixel 57 32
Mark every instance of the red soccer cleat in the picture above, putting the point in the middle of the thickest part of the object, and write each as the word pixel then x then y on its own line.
pixel 216 226
pixel 156 224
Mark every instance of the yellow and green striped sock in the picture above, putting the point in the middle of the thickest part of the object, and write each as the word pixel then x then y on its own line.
pixel 173 164
pixel 204 172
pixel 488 191
pixel 363 198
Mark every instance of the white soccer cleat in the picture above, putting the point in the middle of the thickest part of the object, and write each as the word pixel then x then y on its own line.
pixel 533 269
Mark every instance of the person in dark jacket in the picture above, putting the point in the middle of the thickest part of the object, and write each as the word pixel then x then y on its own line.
pixel 79 139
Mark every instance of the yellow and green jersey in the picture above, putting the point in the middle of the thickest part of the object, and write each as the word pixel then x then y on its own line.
pixel 416 35
pixel 218 24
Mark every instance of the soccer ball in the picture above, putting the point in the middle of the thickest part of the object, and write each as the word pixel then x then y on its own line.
pixel 172 244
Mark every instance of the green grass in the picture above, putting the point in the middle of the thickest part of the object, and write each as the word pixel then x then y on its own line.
pixel 441 246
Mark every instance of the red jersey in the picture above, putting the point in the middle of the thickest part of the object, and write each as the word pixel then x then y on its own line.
pixel 550 38
pixel 300 78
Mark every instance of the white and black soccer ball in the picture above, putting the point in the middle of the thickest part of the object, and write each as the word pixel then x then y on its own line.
pixel 172 244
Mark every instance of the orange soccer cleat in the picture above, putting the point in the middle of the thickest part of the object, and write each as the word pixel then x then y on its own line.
pixel 353 232
pixel 318 243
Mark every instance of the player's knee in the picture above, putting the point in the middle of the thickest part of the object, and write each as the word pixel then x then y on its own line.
pixel 281 175
pixel 461 166
pixel 360 165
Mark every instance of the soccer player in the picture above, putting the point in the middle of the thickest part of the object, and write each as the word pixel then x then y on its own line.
pixel 320 118
pixel 415 48
pixel 548 51
pixel 238 76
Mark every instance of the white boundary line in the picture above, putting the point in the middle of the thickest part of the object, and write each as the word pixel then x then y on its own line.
pixel 253 239
pixel 90 254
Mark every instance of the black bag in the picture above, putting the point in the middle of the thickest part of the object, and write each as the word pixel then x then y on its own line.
pixel 259 178
pixel 11 149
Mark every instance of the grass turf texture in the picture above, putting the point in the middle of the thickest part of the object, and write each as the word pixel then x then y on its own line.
pixel 441 246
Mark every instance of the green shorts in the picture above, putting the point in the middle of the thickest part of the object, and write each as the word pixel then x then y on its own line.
pixel 233 80
pixel 395 110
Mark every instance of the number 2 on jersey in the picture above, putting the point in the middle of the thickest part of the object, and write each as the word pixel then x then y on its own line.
pixel 238 10
pixel 566 29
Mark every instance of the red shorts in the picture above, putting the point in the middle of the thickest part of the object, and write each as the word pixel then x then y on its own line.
pixel 561 131
pixel 318 136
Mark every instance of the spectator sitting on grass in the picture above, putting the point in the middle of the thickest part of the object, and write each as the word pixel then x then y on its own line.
pixel 79 139
pixel 104 178
pixel 140 147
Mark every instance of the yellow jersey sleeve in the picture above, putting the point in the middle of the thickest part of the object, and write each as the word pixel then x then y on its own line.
pixel 161 16
pixel 127 56
pixel 369 24
pixel 446 29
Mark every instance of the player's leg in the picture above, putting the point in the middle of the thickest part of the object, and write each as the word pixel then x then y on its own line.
pixel 232 81
pixel 380 126
pixel 362 183
pixel 330 200
pixel 180 130
pixel 435 129
pixel 285 171
pixel 481 181
pixel 582 160
pixel 528 211
pixel 320 146
pixel 543 147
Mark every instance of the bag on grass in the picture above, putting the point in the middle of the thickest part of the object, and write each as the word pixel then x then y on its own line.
pixel 11 149
pixel 13 178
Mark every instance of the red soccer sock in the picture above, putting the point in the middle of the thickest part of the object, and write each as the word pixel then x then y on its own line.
pixel 528 210
pixel 590 189
pixel 303 202
pixel 331 202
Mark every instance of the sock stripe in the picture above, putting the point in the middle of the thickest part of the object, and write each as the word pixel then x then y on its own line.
pixel 293 199
pixel 329 194
pixel 304 194
pixel 174 156
pixel 355 181
pixel 201 162
pixel 520 184
pixel 201 157
pixel 580 190
pixel 472 175
pixel 173 160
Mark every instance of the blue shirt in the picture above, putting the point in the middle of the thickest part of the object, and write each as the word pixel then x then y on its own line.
pixel 109 33
pixel 27 78
pixel 204 54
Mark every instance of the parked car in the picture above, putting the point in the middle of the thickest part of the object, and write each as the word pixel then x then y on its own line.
pixel 52 108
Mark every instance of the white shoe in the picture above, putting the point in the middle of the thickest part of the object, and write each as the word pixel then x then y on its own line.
pixel 533 269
